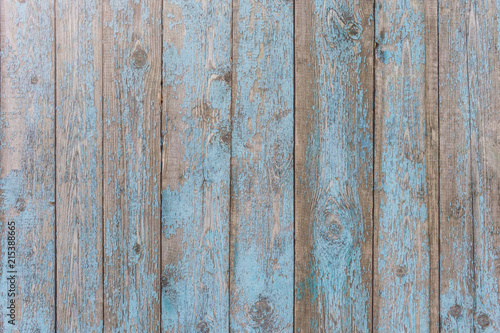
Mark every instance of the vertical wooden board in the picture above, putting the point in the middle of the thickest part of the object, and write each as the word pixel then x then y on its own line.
pixel 131 153
pixel 196 165
pixel 405 296
pixel 261 258
pixel 334 165
pixel 456 240
pixel 483 44
pixel 477 36
pixel 27 164
pixel 79 166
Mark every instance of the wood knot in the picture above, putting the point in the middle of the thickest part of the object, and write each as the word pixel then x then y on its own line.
pixel 20 204
pixel 21 1
pixel 203 327
pixel 401 271
pixel 334 228
pixel 262 312
pixel 34 79
pixel 139 57
pixel 164 281
pixel 459 211
pixel 353 29
pixel 455 311
pixel 226 137
pixel 137 248
pixel 483 320
pixel 228 77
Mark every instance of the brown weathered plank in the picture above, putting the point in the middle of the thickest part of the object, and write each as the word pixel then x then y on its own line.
pixel 406 174
pixel 27 190
pixel 469 83
pixel 334 165
pixel 79 166
pixel 196 165
pixel 261 258
pixel 131 152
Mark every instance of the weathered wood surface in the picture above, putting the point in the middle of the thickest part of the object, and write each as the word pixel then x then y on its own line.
pixel 27 172
pixel 253 166
pixel 131 153
pixel 470 204
pixel 79 166
pixel 262 246
pixel 196 165
pixel 406 174
pixel 334 165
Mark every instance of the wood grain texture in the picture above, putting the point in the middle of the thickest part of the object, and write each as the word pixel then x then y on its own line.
pixel 196 165
pixel 27 190
pixel 132 97
pixel 261 258
pixel 79 166
pixel 457 252
pixel 471 193
pixel 334 165
pixel 405 297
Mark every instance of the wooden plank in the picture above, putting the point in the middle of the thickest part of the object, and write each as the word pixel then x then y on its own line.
pixel 457 267
pixel 132 97
pixel 483 44
pixel 470 194
pixel 27 174
pixel 334 165
pixel 79 166
pixel 405 286
pixel 261 258
pixel 196 165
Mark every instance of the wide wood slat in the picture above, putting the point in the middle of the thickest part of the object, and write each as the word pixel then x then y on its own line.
pixel 406 173
pixel 79 166
pixel 27 168
pixel 261 237
pixel 250 165
pixel 196 165
pixel 470 204
pixel 131 154
pixel 334 166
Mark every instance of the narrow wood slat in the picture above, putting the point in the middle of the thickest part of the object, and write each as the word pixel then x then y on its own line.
pixel 334 165
pixel 79 167
pixel 131 152
pixel 483 44
pixel 261 239
pixel 196 165
pixel 456 232
pixel 470 186
pixel 27 191
pixel 406 175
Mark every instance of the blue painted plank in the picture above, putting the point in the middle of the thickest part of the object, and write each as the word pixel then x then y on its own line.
pixel 79 166
pixel 27 190
pixel 334 165
pixel 405 248
pixel 196 165
pixel 456 257
pixel 131 153
pixel 262 259
pixel 471 196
